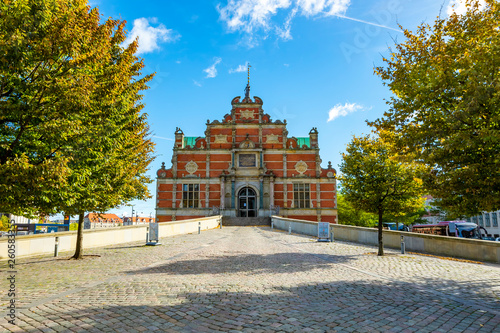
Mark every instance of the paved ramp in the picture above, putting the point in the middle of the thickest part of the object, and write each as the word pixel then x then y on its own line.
pixel 239 279
pixel 245 221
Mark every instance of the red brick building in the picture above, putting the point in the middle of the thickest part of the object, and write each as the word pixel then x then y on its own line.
pixel 246 165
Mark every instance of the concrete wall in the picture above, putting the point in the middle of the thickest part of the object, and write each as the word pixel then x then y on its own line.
pixel 298 226
pixel 473 249
pixel 30 245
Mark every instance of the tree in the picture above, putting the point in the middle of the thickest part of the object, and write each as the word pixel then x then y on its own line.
pixel 73 135
pixel 4 223
pixel 446 106
pixel 351 215
pixel 378 181
pixel 409 218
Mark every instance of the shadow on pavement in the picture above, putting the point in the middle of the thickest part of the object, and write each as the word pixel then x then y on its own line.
pixel 252 263
pixel 360 306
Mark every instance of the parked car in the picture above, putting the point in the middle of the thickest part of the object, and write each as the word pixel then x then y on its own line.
pixel 392 226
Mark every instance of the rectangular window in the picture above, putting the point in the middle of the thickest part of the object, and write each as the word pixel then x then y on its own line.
pixel 494 219
pixel 479 220
pixel 301 195
pixel 487 220
pixel 190 195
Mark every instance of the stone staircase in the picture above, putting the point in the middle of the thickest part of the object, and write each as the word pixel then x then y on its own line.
pixel 245 221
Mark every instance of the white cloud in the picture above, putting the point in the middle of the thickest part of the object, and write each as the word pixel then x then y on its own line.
pixel 196 83
pixel 248 15
pixel 212 71
pixel 459 7
pixel 328 7
pixel 149 36
pixel 284 33
pixel 340 110
pixel 239 69
pixel 254 16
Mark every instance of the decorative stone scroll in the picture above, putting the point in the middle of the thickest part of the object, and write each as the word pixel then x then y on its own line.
pixel 191 167
pixel 301 167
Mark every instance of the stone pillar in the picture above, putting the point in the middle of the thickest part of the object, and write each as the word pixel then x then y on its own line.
pixel 260 130
pixel 174 194
pixel 261 195
pixel 318 199
pixel 174 163
pixel 207 193
pixel 313 137
pixel 271 192
pixel 285 183
pixel 179 138
pixel 207 169
pixel 207 137
pixel 232 193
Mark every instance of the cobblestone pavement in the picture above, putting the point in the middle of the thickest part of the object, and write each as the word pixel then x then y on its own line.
pixel 252 279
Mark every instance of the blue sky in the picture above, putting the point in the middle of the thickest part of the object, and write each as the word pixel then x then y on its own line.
pixel 312 63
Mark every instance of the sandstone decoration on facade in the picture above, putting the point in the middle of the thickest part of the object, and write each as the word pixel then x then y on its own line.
pixel 191 167
pixel 247 144
pixel 247 114
pixel 301 167
pixel 220 138
pixel 272 138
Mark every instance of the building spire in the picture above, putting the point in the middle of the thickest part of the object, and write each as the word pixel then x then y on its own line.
pixel 247 89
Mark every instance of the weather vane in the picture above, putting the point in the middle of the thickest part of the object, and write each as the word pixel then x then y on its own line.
pixel 249 73
pixel 247 89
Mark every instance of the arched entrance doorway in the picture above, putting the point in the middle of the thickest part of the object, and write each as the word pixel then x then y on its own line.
pixel 247 202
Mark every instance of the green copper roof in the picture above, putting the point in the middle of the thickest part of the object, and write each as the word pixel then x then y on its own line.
pixel 189 141
pixel 303 141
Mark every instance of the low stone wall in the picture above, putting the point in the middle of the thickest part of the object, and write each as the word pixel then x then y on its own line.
pixel 472 249
pixel 30 245
pixel 298 226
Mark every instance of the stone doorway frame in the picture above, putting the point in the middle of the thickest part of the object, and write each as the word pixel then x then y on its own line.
pixel 247 197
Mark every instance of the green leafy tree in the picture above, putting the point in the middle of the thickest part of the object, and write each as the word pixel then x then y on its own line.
pixel 73 136
pixel 409 218
pixel 375 179
pixel 351 215
pixel 4 223
pixel 446 106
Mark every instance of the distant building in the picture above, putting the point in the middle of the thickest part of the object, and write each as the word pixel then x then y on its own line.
pixel 19 219
pixel 246 165
pixel 432 215
pixel 95 220
pixel 137 220
pixel 489 221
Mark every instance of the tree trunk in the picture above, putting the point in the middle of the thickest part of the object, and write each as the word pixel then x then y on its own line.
pixel 380 228
pixel 79 239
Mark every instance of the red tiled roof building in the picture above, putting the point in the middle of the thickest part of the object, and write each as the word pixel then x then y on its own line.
pixel 246 166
